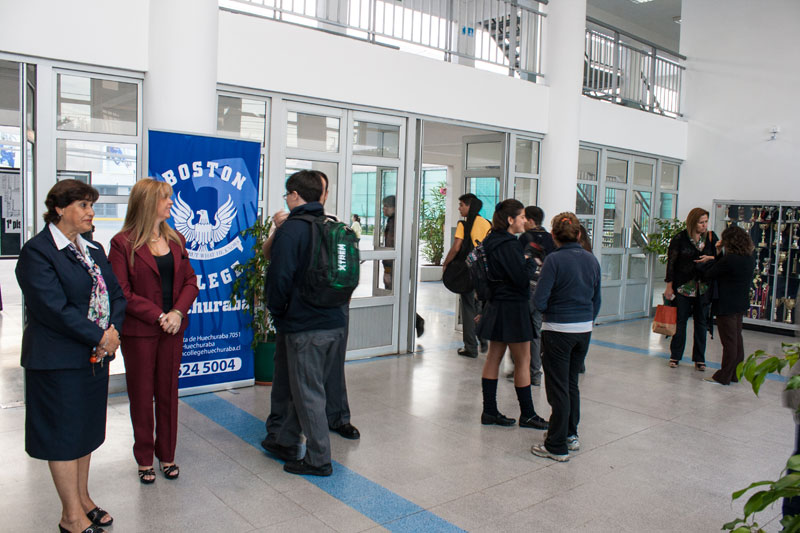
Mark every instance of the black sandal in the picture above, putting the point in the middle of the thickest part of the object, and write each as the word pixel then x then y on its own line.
pixel 171 472
pixel 700 367
pixel 96 515
pixel 145 474
pixel 673 363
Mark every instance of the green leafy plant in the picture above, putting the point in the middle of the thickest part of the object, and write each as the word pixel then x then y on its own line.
pixel 249 285
pixel 658 242
pixel 755 369
pixel 431 229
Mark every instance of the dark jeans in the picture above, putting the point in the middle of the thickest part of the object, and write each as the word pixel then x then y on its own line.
pixel 697 308
pixel 729 329
pixel 562 358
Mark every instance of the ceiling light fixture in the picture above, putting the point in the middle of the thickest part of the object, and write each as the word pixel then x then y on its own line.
pixel 641 1
pixel 676 19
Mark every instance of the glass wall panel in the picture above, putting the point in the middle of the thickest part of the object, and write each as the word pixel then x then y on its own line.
pixel 331 170
pixel 488 191
pixel 108 219
pixel 312 132
pixel 526 190
pixel 611 267
pixel 584 204
pixel 376 278
pixel 379 140
pixel 616 170
pixel 614 218
pixel 96 105
pixel 527 157
pixel 587 164
pixel 110 164
pixel 669 205
pixel 643 174
pixel 370 183
pixel 637 266
pixel 669 176
pixel 9 115
pixel 242 117
pixel 484 155
pixel 640 218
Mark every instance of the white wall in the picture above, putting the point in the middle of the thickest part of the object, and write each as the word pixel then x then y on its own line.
pixel 96 32
pixel 631 129
pixel 742 78
pixel 264 54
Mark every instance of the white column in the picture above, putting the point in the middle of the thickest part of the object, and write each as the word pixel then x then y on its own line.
pixel 563 67
pixel 180 86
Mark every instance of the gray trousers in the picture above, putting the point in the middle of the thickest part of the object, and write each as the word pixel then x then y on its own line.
pixel 309 357
pixel 469 309
pixel 536 344
pixel 337 408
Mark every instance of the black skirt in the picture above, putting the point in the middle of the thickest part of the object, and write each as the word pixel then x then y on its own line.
pixel 506 321
pixel 65 412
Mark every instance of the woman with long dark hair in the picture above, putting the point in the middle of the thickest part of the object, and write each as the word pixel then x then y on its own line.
pixel 506 318
pixel 733 274
pixel 568 295
pixel 686 288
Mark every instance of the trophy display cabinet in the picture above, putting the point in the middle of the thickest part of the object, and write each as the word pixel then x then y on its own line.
pixel 775 230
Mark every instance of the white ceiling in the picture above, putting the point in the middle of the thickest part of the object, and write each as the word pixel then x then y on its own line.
pixel 651 20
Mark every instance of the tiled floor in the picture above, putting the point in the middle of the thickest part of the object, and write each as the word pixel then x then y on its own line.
pixel 660 450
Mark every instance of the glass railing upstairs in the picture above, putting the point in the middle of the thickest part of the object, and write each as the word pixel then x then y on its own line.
pixel 623 69
pixel 497 35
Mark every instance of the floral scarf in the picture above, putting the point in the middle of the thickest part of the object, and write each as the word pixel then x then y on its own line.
pixel 99 304
pixel 694 288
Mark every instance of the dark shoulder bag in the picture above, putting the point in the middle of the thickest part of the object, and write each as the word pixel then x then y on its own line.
pixel 456 276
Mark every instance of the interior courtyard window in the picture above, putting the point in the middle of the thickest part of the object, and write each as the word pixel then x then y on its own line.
pixel 312 132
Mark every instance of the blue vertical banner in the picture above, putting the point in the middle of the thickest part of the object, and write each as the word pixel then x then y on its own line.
pixel 215 198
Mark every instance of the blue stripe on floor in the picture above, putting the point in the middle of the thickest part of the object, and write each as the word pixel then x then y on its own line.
pixel 377 503
pixel 664 355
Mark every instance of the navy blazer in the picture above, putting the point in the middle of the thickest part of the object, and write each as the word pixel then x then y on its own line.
pixel 141 285
pixel 56 288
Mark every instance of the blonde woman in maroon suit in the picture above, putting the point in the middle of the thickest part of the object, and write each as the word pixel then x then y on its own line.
pixel 149 258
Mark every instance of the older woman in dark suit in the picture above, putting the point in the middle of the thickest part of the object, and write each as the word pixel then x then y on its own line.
pixel 151 263
pixel 74 308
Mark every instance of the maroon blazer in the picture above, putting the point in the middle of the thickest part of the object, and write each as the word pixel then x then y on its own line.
pixel 141 285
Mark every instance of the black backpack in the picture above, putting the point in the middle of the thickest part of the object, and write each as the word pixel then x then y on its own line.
pixel 537 253
pixel 334 263
pixel 456 277
pixel 478 266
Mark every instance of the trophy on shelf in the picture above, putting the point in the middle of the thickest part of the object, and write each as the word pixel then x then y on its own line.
pixel 788 306
pixel 796 230
pixel 790 216
pixel 763 243
pixel 781 260
pixel 765 270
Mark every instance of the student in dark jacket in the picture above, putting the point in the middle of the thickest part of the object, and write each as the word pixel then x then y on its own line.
pixel 733 273
pixel 692 247
pixel 536 235
pixel 506 320
pixel 568 295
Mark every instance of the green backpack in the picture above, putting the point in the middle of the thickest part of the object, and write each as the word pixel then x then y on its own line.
pixel 334 264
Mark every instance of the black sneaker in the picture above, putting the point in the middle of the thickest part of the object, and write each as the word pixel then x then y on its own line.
pixel 464 353
pixel 284 453
pixel 303 468
pixel 497 420
pixel 535 422
pixel 419 325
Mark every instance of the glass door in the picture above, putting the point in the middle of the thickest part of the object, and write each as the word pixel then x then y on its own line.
pixel 627 219
pixel 484 169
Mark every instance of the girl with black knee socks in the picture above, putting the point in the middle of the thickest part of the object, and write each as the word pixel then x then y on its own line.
pixel 505 321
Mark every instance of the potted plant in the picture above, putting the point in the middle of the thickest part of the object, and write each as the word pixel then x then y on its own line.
pixel 755 369
pixel 249 288
pixel 658 242
pixel 431 232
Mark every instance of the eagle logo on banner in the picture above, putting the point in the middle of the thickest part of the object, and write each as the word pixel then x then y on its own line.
pixel 203 235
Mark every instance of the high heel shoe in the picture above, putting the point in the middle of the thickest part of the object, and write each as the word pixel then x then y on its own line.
pixel 91 529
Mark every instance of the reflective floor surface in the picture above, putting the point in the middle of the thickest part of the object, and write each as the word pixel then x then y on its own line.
pixel 660 450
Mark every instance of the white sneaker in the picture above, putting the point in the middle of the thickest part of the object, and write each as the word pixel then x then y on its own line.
pixel 573 444
pixel 540 451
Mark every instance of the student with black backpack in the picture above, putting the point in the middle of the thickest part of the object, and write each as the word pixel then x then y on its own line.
pixel 505 320
pixel 476 227
pixel 539 243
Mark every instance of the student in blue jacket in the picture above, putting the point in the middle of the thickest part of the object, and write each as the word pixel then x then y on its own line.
pixel 568 295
